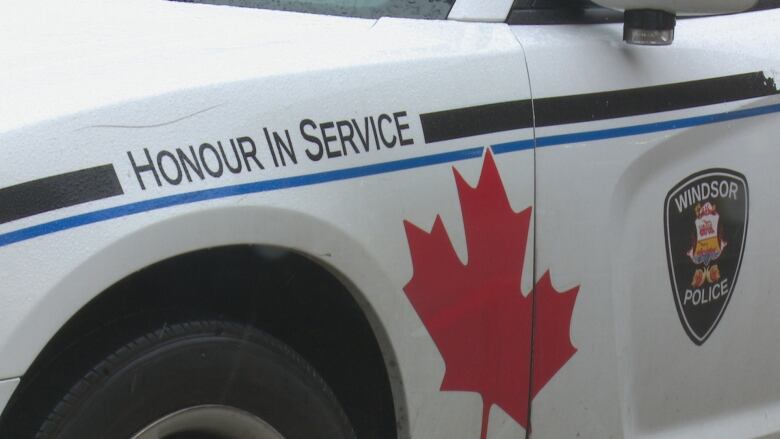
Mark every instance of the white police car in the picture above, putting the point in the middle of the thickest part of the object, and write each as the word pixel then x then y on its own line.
pixel 464 219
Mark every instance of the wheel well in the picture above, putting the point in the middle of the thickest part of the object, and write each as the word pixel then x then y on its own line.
pixel 283 293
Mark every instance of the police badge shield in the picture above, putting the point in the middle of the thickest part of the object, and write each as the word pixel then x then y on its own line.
pixel 705 223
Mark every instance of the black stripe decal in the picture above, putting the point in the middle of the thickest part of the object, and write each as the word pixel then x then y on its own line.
pixel 64 190
pixel 492 118
pixel 473 121
pixel 56 192
pixel 647 100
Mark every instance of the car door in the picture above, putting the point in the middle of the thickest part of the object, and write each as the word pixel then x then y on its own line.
pixel 657 195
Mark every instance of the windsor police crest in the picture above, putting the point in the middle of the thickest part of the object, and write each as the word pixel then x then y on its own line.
pixel 705 223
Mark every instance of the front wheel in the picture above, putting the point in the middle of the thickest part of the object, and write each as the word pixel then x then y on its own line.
pixel 199 380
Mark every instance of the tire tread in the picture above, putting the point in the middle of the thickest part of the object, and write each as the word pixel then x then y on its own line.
pixel 101 371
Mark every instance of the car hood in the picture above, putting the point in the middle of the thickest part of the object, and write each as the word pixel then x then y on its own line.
pixel 61 58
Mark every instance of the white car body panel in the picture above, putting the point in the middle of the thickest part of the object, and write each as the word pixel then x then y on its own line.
pixel 216 85
pixel 480 10
pixel 635 366
pixel 93 81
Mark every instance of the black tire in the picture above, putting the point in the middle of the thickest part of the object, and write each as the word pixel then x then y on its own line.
pixel 193 364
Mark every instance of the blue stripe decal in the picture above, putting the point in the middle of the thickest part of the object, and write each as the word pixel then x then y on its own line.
pixel 239 189
pixel 687 122
pixel 363 171
pixel 520 145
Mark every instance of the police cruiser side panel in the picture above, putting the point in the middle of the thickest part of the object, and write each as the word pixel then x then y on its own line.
pixel 672 149
pixel 219 126
pixel 604 276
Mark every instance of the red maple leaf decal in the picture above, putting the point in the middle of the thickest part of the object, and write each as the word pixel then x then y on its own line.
pixel 476 313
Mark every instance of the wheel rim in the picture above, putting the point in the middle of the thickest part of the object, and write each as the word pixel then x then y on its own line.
pixel 209 422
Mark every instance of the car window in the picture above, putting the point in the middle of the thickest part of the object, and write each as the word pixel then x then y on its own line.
pixel 561 12
pixel 434 9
